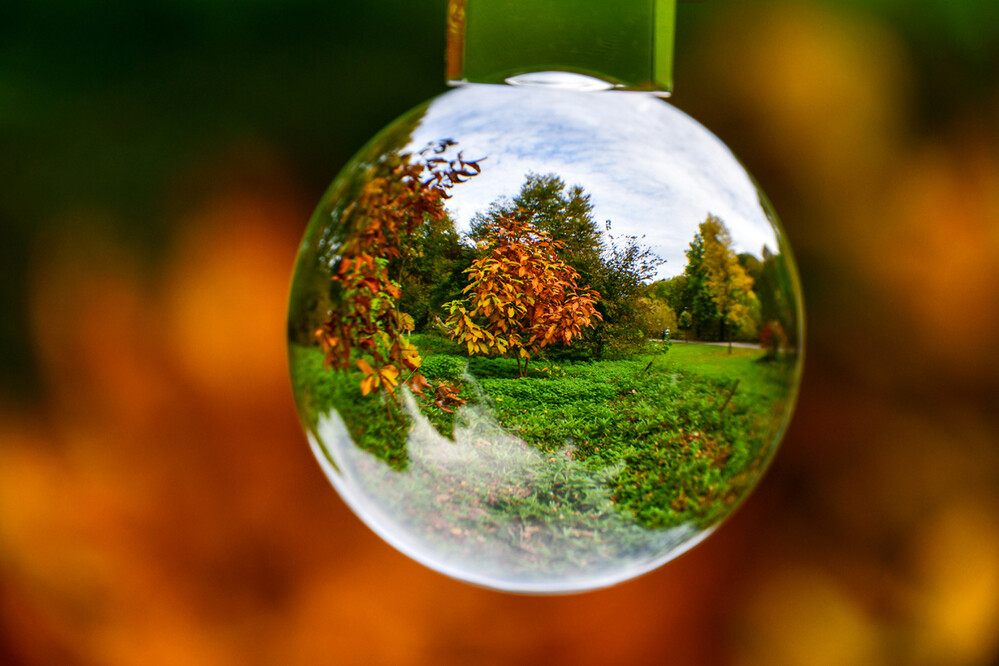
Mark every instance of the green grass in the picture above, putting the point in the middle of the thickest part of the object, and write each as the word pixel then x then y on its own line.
pixel 757 377
pixel 371 425
pixel 672 437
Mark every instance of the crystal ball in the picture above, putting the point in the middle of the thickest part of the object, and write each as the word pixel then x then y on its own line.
pixel 544 340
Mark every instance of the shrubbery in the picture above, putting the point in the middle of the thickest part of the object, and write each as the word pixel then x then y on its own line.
pixel 440 366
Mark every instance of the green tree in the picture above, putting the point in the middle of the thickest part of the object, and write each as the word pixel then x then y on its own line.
pixel 751 264
pixel 697 298
pixel 674 291
pixel 617 270
pixel 621 279
pixel 564 213
pixel 774 289
pixel 432 273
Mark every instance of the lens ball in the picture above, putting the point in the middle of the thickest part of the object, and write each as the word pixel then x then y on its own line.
pixel 544 340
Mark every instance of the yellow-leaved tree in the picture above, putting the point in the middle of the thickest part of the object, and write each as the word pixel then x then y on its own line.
pixel 731 288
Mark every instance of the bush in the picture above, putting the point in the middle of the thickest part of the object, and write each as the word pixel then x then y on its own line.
pixel 488 366
pixel 430 343
pixel 443 366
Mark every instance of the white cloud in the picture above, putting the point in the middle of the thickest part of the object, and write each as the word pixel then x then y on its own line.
pixel 649 168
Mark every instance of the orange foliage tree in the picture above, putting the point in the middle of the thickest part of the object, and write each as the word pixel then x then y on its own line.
pixel 521 295
pixel 365 327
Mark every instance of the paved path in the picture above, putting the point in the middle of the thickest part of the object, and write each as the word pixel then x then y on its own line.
pixel 739 345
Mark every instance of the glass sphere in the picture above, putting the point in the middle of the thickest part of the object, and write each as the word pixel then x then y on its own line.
pixel 544 340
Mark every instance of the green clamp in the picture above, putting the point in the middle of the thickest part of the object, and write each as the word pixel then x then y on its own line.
pixel 626 45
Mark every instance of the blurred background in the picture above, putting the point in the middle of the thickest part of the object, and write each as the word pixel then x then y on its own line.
pixel 158 501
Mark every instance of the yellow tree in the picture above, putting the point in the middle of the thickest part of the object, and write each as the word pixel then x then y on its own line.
pixel 731 288
pixel 521 295
pixel 655 316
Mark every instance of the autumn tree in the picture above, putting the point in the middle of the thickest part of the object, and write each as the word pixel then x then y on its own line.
pixel 616 268
pixel 730 287
pixel 521 297
pixel 656 316
pixel 312 293
pixel 365 326
pixel 549 205
pixel 685 322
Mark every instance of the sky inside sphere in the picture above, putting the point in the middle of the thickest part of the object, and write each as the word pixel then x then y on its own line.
pixel 649 168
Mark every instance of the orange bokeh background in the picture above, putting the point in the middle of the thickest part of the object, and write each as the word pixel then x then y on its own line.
pixel 159 503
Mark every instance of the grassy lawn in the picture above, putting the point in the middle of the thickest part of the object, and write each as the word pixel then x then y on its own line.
pixel 672 438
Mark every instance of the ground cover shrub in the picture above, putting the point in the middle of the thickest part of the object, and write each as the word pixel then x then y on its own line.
pixel 372 427
pixel 443 367
pixel 430 344
pixel 674 439
pixel 683 438
pixel 490 366
pixel 549 392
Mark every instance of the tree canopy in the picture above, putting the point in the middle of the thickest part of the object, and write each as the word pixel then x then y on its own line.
pixel 365 325
pixel 521 295
pixel 717 288
pixel 729 285
pixel 564 213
